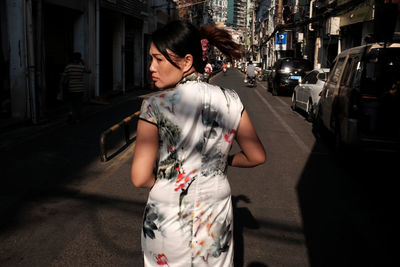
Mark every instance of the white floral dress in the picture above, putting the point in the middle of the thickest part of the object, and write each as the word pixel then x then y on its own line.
pixel 188 218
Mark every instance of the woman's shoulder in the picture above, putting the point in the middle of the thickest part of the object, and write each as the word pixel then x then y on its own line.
pixel 201 87
pixel 226 92
pixel 231 92
pixel 191 87
pixel 151 97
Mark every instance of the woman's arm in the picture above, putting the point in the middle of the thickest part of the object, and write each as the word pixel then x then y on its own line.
pixel 145 155
pixel 253 152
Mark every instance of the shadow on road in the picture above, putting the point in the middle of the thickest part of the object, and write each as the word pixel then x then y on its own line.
pixel 348 207
pixel 59 157
pixel 242 219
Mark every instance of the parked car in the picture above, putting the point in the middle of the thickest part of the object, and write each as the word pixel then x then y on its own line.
pixel 360 102
pixel 306 95
pixel 286 73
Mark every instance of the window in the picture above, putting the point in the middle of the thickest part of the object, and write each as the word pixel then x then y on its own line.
pixel 337 70
pixel 323 76
pixel 311 78
pixel 353 70
pixel 346 72
pixel 382 69
pixel 305 79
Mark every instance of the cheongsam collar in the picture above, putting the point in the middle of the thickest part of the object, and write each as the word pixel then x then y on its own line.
pixel 190 77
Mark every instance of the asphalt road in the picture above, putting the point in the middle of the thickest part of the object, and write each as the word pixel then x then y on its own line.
pixel 306 206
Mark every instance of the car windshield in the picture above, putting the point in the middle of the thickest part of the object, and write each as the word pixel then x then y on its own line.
pixel 297 64
pixel 382 70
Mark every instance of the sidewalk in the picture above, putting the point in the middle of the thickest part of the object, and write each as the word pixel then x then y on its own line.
pixel 42 161
pixel 14 132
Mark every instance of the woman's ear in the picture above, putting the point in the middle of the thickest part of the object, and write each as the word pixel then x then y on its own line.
pixel 187 62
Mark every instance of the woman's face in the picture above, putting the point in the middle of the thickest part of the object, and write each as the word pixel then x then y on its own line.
pixel 163 73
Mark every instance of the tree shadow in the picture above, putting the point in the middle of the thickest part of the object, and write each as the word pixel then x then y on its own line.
pixel 242 219
pixel 347 204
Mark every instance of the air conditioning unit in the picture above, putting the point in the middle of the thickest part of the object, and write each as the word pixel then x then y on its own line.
pixel 333 26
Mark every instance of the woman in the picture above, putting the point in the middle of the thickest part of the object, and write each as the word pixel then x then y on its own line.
pixel 183 138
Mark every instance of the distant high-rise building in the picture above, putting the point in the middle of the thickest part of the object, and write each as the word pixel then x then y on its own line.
pixel 220 10
pixel 237 10
pixel 239 13
pixel 229 20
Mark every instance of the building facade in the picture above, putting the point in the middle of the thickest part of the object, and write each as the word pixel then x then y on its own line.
pixel 320 29
pixel 239 13
pixel 220 10
pixel 38 38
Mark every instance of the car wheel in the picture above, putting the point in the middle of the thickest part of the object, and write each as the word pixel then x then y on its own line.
pixel 274 90
pixel 310 110
pixel 317 126
pixel 293 105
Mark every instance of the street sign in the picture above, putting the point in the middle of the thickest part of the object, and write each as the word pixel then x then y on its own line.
pixel 280 41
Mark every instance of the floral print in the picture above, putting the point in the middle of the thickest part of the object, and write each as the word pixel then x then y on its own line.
pixel 162 259
pixel 188 218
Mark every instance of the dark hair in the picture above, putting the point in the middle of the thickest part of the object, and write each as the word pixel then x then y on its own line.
pixel 182 38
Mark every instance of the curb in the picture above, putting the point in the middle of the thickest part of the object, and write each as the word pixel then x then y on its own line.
pixel 24 133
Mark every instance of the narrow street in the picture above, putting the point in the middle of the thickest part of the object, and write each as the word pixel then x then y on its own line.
pixel 306 206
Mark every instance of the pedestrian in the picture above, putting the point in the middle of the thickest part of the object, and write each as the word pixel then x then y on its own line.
pixel 184 135
pixel 73 83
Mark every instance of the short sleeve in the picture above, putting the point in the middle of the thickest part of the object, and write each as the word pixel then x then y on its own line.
pixel 236 99
pixel 147 112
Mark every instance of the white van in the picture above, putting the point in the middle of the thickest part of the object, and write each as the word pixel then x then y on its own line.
pixel 360 102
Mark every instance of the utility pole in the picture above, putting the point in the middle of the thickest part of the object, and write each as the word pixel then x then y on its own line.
pixel 279 12
pixel 252 30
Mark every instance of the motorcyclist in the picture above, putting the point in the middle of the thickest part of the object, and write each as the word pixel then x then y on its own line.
pixel 250 72
pixel 207 72
pixel 208 68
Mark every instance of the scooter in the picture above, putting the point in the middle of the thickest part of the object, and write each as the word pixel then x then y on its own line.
pixel 224 70
pixel 251 81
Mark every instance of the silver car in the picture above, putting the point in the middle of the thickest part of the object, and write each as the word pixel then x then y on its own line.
pixel 306 95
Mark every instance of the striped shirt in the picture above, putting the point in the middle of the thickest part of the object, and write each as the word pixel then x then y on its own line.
pixel 74 75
